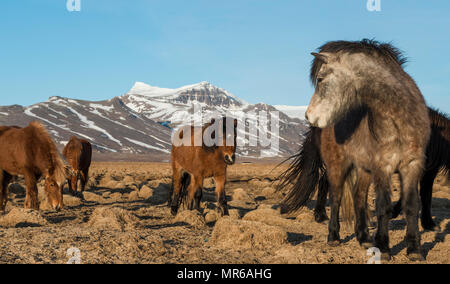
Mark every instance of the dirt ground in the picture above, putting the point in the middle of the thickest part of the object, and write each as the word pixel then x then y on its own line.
pixel 124 218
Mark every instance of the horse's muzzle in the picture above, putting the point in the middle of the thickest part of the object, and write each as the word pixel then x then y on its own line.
pixel 230 160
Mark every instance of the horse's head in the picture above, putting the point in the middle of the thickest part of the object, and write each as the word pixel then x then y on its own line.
pixel 54 188
pixel 228 149
pixel 334 82
pixel 220 136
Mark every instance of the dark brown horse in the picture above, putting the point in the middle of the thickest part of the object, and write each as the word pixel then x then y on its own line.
pixel 78 153
pixel 197 159
pixel 31 152
pixel 377 116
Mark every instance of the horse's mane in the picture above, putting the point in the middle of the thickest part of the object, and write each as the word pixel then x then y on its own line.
pixel 386 51
pixel 54 158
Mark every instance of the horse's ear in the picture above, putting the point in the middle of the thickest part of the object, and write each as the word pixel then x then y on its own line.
pixel 321 56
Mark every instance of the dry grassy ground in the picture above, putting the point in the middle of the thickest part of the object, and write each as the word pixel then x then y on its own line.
pixel 124 219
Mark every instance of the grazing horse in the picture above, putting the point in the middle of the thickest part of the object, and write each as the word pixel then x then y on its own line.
pixel 78 153
pixel 30 152
pixel 191 164
pixel 368 104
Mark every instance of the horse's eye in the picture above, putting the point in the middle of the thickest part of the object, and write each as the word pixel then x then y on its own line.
pixel 319 80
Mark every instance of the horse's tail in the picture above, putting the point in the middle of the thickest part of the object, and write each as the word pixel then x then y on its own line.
pixel 347 207
pixel 304 173
pixel 185 181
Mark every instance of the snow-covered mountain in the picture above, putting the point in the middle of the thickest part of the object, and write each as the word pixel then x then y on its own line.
pixel 141 121
pixel 293 111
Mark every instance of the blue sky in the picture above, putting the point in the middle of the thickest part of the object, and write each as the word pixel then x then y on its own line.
pixel 257 49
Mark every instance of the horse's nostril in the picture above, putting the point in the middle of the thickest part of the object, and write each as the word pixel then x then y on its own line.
pixel 306 116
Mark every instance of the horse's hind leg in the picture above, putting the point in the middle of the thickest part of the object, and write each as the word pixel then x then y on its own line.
pixel 83 179
pixel 384 213
pixel 195 193
pixel 5 178
pixel 198 194
pixel 360 206
pixel 320 214
pixel 221 196
pixel 336 177
pixel 410 179
pixel 426 195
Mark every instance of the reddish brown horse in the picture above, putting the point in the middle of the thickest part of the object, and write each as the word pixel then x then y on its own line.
pixel 192 164
pixel 30 152
pixel 78 153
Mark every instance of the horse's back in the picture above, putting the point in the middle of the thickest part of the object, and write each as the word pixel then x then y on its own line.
pixel 78 152
pixel 86 156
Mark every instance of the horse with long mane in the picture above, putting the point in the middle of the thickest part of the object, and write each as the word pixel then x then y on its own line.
pixel 379 120
pixel 207 152
pixel 78 152
pixel 308 172
pixel 31 152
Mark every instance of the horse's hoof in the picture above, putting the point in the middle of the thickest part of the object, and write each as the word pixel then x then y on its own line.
pixel 173 211
pixel 320 217
pixel 334 243
pixel 415 256
pixel 430 226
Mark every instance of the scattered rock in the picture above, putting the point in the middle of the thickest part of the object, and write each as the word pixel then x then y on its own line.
pixel 234 214
pixel 19 218
pixel 268 192
pixel 92 197
pixel 145 192
pixel 71 201
pixel 116 197
pixel 231 233
pixel 112 218
pixel 240 194
pixel 267 216
pixel 129 180
pixel 211 217
pixel 133 196
pixel 191 217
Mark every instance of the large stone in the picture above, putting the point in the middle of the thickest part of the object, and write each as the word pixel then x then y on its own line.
pixel 240 234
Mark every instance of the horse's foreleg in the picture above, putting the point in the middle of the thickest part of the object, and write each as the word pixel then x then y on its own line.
pixel 175 195
pixel 384 213
pixel 360 206
pixel 31 199
pixel 320 214
pixel 221 196
pixel 193 189
pixel 410 179
pixel 336 178
pixel 198 194
pixel 426 195
pixel 5 178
